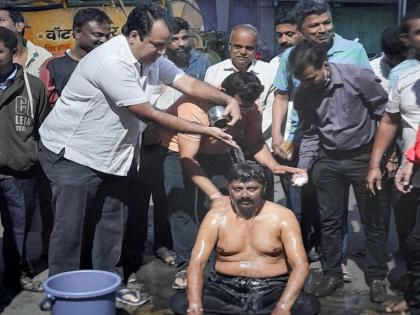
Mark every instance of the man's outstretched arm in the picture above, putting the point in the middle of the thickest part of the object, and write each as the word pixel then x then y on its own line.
pixel 206 241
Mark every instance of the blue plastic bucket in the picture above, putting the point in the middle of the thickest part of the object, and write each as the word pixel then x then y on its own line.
pixel 82 292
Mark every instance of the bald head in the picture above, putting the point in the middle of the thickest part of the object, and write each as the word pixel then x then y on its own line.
pixel 242 46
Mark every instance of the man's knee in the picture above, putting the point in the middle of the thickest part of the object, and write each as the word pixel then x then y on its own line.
pixel 178 303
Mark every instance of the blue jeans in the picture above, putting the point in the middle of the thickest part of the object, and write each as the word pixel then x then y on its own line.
pixel 332 176
pixel 79 194
pixel 17 200
pixel 180 196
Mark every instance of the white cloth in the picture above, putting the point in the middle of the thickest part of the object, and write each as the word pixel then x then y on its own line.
pixel 36 57
pixel 275 62
pixel 404 98
pixel 381 70
pixel 263 70
pixel 91 120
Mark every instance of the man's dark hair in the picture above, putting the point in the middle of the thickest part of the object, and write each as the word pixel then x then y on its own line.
pixel 412 15
pixel 306 54
pixel 180 24
pixel 304 8
pixel 391 43
pixel 285 18
pixel 8 38
pixel 244 84
pixel 84 16
pixel 143 16
pixel 247 171
pixel 17 17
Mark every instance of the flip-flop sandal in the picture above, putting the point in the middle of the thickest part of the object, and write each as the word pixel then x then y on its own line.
pixel 167 256
pixel 31 285
pixel 398 306
pixel 131 297
pixel 180 281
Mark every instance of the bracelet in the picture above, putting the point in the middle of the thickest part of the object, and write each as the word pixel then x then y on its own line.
pixel 215 196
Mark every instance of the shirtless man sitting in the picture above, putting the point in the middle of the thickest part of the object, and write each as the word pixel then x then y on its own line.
pixel 261 265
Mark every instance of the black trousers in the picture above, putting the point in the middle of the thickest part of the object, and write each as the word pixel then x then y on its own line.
pixel 80 193
pixel 332 176
pixel 239 295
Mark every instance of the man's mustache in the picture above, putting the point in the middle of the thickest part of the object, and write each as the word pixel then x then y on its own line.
pixel 244 200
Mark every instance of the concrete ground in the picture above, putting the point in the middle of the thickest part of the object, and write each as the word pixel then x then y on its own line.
pixel 156 277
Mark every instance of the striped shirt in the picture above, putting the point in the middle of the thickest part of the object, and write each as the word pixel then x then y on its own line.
pixel 342 51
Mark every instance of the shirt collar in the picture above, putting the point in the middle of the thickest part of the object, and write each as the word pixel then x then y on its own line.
pixel 336 46
pixel 9 80
pixel 229 66
pixel 335 76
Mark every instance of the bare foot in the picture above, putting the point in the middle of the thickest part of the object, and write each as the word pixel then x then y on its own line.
pixel 398 306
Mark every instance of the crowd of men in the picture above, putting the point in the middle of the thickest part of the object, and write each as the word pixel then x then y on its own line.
pixel 91 134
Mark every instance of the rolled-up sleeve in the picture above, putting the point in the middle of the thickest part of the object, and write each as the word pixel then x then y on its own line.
pixel 168 72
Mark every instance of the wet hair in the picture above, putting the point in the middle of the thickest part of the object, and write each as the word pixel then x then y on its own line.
pixel 247 171
pixel 285 18
pixel 143 16
pixel 247 27
pixel 304 8
pixel 306 54
pixel 8 38
pixel 84 16
pixel 412 15
pixel 180 24
pixel 391 43
pixel 244 84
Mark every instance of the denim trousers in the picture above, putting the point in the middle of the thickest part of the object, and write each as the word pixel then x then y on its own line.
pixel 17 200
pixel 89 214
pixel 181 198
pixel 332 177
pixel 240 295
pixel 145 183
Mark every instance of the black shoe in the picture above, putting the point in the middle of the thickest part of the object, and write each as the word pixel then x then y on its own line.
pixel 328 285
pixel 377 292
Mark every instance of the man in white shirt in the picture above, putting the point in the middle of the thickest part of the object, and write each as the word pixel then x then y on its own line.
pixel 242 47
pixel 89 138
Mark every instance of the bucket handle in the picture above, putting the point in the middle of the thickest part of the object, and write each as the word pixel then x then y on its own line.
pixel 46 303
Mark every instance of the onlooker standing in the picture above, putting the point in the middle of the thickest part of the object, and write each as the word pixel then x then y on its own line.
pixel 242 48
pixel 339 106
pixel 88 140
pixel 315 22
pixel 28 55
pixel 23 107
pixel 287 33
pixel 91 28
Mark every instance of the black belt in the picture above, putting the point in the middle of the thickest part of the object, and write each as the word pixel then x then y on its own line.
pixel 346 154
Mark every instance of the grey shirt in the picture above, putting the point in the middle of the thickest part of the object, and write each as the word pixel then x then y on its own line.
pixel 341 117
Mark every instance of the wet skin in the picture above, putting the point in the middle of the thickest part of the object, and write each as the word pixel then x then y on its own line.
pixel 252 238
